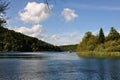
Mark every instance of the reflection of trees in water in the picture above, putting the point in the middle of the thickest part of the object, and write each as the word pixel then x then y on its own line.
pixel 102 70
pixel 115 70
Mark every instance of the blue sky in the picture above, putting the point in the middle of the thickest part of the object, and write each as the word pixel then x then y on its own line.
pixel 66 21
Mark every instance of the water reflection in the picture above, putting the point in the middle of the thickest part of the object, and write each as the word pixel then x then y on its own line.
pixel 102 70
pixel 29 69
pixel 59 66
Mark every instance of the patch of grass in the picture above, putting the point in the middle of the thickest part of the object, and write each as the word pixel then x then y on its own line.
pixel 99 55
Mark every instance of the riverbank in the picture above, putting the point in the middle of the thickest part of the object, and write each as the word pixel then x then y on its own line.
pixel 99 55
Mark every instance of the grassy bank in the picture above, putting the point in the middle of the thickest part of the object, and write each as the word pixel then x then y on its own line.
pixel 100 55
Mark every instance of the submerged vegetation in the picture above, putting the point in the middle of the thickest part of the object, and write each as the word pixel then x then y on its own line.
pixel 100 45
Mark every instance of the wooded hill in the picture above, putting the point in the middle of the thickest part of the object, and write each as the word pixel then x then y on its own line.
pixel 101 43
pixel 14 41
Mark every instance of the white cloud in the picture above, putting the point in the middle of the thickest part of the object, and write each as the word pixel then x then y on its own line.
pixel 54 37
pixel 35 12
pixel 69 14
pixel 34 31
pixel 63 39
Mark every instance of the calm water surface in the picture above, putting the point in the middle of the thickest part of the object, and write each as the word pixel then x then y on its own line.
pixel 58 66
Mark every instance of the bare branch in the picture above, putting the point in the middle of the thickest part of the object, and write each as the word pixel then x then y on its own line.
pixel 3 7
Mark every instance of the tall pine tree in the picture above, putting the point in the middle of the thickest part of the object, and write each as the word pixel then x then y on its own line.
pixel 101 38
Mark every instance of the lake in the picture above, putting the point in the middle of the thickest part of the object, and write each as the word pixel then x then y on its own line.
pixel 58 66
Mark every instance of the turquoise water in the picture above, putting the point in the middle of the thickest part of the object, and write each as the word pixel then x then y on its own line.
pixel 58 66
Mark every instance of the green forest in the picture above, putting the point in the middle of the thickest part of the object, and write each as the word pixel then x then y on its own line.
pixel 71 48
pixel 13 41
pixel 100 42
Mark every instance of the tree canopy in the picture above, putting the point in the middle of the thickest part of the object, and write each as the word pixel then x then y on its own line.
pixel 13 41
pixel 110 43
pixel 113 34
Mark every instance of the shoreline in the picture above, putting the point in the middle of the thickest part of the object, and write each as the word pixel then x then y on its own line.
pixel 99 55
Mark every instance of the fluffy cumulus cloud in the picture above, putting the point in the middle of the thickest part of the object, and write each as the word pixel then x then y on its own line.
pixel 35 12
pixel 69 14
pixel 34 31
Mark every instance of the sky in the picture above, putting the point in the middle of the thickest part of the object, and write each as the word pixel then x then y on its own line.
pixel 64 22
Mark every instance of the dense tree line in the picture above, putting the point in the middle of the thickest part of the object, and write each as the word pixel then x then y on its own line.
pixel 109 43
pixel 13 41
pixel 69 47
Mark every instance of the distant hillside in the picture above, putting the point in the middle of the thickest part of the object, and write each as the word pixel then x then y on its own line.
pixel 14 41
pixel 69 47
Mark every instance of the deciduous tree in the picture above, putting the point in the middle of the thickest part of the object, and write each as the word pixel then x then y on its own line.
pixel 113 35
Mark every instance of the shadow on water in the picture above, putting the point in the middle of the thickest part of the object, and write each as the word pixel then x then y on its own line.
pixel 23 56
